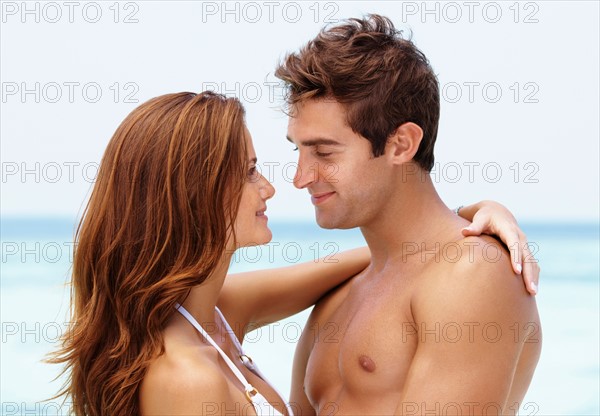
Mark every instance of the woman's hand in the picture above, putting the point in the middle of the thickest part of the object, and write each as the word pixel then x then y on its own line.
pixel 493 218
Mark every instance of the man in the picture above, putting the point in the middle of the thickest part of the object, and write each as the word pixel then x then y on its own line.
pixel 438 323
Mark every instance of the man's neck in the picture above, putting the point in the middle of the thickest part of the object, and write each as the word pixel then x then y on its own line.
pixel 414 216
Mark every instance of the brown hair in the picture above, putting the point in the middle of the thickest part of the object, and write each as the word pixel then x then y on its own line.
pixel 382 80
pixel 156 225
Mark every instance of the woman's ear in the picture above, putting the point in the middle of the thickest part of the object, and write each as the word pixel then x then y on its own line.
pixel 404 142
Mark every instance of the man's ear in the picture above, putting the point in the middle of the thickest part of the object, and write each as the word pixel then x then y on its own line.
pixel 404 142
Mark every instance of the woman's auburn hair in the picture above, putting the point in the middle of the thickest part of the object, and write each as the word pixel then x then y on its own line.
pixel 156 224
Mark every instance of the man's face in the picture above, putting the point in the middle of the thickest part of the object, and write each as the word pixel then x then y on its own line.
pixel 346 183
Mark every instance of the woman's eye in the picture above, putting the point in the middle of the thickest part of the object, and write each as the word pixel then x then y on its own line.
pixel 295 148
pixel 253 171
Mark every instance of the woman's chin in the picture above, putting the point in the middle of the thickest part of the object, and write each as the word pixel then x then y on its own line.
pixel 261 238
pixel 267 237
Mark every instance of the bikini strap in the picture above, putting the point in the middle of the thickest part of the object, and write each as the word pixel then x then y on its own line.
pixel 234 337
pixel 253 367
pixel 249 389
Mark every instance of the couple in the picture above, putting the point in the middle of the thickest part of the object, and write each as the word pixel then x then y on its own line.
pixel 431 318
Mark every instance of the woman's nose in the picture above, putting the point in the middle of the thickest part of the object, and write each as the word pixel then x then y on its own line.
pixel 267 189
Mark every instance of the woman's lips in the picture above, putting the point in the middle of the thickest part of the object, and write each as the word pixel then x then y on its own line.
pixel 261 215
pixel 320 198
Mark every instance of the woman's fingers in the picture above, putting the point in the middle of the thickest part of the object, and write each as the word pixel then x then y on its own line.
pixel 531 270
pixel 481 223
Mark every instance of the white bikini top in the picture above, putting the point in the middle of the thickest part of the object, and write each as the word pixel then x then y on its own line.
pixel 260 404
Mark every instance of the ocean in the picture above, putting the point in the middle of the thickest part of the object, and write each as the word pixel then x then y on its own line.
pixel 36 261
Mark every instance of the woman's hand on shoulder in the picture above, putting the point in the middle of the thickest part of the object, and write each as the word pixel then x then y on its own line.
pixel 493 218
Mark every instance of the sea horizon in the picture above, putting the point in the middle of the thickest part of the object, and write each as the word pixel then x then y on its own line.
pixel 36 265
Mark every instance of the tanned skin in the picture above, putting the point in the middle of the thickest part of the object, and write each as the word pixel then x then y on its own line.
pixel 438 323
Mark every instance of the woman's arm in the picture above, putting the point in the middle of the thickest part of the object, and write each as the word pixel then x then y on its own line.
pixel 253 299
pixel 490 217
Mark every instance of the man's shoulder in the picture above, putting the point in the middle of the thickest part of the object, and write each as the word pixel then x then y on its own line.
pixel 322 312
pixel 468 257
pixel 331 301
pixel 486 261
pixel 474 277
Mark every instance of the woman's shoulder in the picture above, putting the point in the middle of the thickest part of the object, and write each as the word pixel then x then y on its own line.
pixel 184 380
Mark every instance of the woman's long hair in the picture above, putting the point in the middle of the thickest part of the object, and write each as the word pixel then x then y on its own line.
pixel 156 225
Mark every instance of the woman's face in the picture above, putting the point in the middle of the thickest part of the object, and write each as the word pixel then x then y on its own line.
pixel 251 222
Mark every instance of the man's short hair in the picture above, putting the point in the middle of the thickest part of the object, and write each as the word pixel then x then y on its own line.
pixel 381 79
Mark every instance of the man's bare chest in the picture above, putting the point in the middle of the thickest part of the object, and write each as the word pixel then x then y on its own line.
pixel 364 347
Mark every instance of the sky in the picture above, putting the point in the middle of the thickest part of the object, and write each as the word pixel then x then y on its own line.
pixel 519 89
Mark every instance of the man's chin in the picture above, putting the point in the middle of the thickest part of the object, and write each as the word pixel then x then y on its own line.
pixel 325 225
pixel 329 223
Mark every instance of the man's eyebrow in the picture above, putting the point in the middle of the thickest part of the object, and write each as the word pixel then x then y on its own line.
pixel 315 142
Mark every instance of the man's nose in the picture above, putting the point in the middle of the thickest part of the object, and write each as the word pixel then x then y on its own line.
pixel 305 174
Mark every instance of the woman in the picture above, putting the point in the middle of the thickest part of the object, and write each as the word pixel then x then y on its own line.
pixel 176 193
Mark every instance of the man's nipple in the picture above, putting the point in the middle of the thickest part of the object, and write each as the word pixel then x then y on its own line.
pixel 366 363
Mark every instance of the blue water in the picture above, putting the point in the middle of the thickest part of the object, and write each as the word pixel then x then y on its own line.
pixel 36 260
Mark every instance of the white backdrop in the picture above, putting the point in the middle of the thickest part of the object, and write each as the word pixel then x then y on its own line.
pixel 519 92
